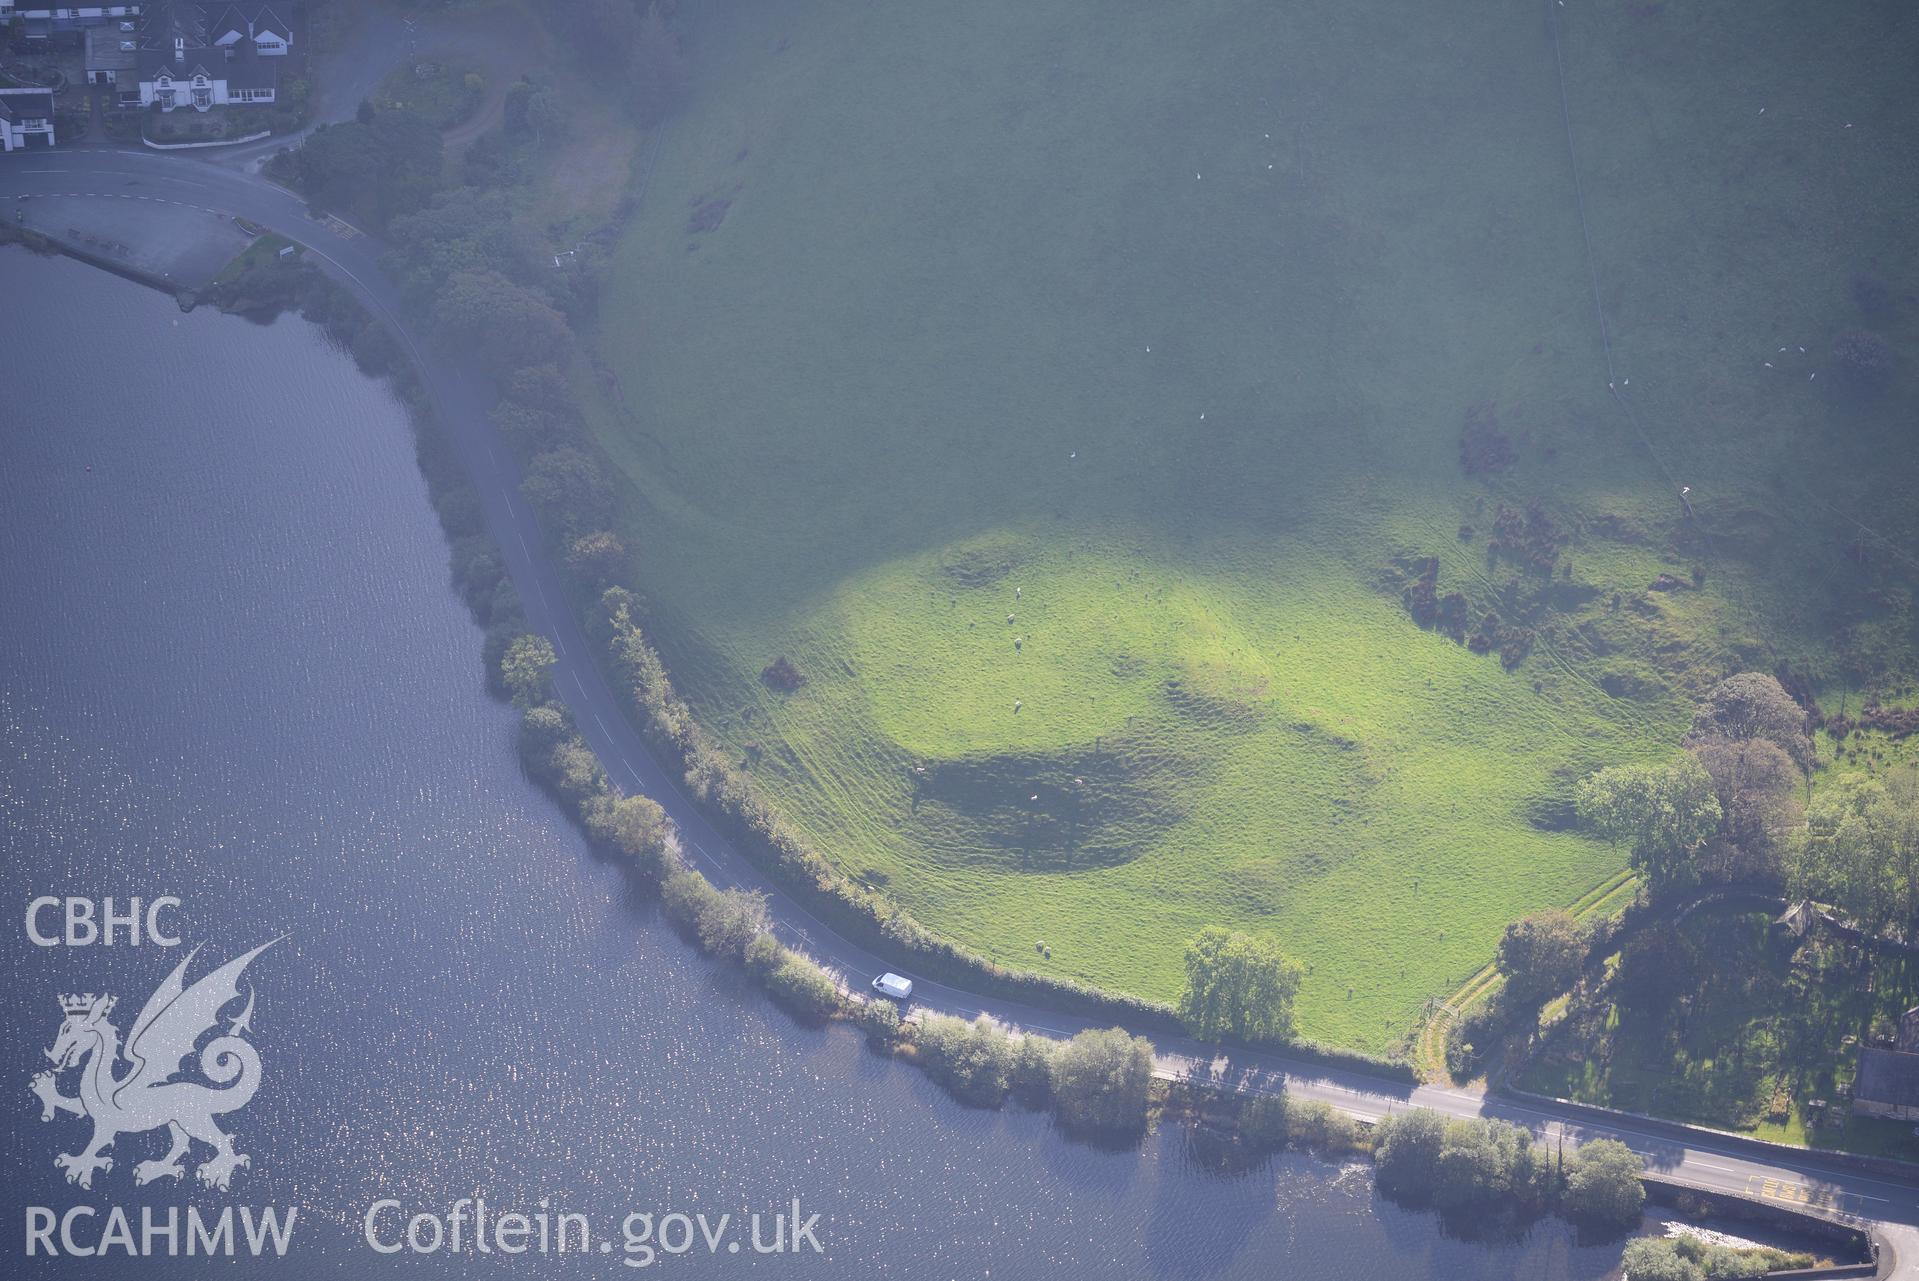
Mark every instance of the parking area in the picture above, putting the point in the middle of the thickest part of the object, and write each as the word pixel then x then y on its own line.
pixel 180 244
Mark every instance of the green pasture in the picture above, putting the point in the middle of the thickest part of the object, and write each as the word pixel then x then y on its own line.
pixel 1065 390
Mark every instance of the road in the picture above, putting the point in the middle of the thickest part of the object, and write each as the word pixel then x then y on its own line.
pixel 460 400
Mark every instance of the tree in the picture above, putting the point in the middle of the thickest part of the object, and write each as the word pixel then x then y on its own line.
pixel 1406 1148
pixel 374 168
pixel 542 729
pixel 973 1060
pixel 1238 985
pixel 1541 956
pixel 462 230
pixel 541 386
pixel 1487 1167
pixel 1603 1191
pixel 545 116
pixel 638 828
pixel 570 490
pixel 880 1020
pixel 1754 780
pixel 1658 1259
pixel 797 983
pixel 1666 811
pixel 503 322
pixel 528 664
pixel 725 923
pixel 1101 1079
pixel 731 920
pixel 1030 1074
pixel 1860 850
pixel 596 559
pixel 1754 705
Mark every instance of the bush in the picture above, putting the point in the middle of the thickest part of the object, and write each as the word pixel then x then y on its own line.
pixel 1685 1258
pixel 1658 1259
pixel 542 729
pixel 1477 1169
pixel 723 922
pixel 1320 1127
pixel 972 1060
pixel 1265 1120
pixel 1031 1075
pixel 1493 1168
pixel 1406 1147
pixel 570 490
pixel 802 986
pixel 1540 955
pixel 880 1020
pixel 596 559
pixel 1471 1038
pixel 636 829
pixel 1603 1192
pixel 1101 1079
pixel 1274 1121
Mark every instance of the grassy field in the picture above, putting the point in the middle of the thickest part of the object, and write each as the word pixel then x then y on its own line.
pixel 1771 1027
pixel 1069 393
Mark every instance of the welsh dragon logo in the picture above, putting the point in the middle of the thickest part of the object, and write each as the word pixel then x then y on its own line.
pixel 144 1095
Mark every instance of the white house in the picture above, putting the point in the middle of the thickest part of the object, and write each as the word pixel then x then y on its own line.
pixel 185 60
pixel 40 19
pixel 26 118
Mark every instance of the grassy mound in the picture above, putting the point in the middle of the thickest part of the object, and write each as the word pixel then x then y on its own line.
pixel 1173 446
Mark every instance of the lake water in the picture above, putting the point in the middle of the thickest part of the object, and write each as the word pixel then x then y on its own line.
pixel 231 669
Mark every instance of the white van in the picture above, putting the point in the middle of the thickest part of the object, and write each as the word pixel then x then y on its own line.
pixel 891 984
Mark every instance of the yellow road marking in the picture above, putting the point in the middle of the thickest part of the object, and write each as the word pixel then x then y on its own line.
pixel 1791 1193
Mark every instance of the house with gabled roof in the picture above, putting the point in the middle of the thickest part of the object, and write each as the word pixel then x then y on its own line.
pixel 200 57
pixel 26 119
pixel 40 20
pixel 270 35
pixel 1887 1082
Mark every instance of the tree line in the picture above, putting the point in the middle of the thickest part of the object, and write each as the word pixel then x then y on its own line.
pixel 1729 810
pixel 1488 1177
pixel 1730 807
